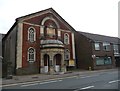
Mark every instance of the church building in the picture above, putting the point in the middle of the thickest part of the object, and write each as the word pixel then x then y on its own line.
pixel 41 42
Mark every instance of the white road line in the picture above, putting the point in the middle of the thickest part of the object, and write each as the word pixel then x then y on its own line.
pixel 89 76
pixel 85 76
pixel 87 87
pixel 114 81
pixel 60 80
pixel 31 82
pixel 48 82
pixel 0 86
pixel 29 85
pixel 71 77
pixel 84 88
pixel 39 83
pixel 10 85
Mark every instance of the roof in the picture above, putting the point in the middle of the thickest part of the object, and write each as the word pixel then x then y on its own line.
pixel 101 38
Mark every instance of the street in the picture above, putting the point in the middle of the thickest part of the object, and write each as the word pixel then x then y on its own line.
pixel 97 80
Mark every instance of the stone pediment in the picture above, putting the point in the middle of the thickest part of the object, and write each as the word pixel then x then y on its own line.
pixel 49 14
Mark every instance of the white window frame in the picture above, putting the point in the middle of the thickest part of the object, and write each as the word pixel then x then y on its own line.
pixel 68 41
pixel 116 49
pixel 106 44
pixel 34 39
pixel 97 43
pixel 33 54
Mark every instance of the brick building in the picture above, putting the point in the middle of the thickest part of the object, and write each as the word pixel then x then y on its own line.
pixel 95 51
pixel 42 42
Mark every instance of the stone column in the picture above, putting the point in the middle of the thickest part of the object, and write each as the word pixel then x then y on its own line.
pixel 63 66
pixel 51 63
pixel 42 64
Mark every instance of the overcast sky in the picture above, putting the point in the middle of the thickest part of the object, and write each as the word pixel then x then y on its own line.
pixel 93 16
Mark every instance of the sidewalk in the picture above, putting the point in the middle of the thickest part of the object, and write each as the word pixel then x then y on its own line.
pixel 42 77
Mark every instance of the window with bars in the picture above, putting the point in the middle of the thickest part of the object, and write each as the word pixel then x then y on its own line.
pixel 31 34
pixel 66 39
pixel 31 54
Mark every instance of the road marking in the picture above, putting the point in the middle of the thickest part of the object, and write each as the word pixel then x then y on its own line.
pixel 0 86
pixel 39 83
pixel 60 80
pixel 48 82
pixel 10 85
pixel 29 85
pixel 72 77
pixel 114 81
pixel 89 76
pixel 85 76
pixel 87 87
pixel 31 82
pixel 84 88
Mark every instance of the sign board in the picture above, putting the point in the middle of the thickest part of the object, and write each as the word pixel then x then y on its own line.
pixel 71 63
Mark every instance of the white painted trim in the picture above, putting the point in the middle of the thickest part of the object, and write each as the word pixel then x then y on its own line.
pixel 41 29
pixel 50 18
pixel 73 45
pixel 59 33
pixel 35 15
pixel 45 12
pixel 31 24
pixel 19 45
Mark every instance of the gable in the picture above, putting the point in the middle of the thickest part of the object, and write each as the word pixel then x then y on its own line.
pixel 47 17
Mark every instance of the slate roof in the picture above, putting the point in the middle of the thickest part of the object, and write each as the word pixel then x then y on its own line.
pixel 101 38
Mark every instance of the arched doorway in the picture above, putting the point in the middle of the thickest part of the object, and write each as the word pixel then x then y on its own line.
pixel 46 63
pixel 57 62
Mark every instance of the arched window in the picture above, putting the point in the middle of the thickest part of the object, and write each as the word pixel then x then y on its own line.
pixel 31 34
pixel 31 54
pixel 66 39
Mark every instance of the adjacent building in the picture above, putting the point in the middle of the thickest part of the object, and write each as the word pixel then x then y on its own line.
pixel 42 42
pixel 1 36
pixel 95 51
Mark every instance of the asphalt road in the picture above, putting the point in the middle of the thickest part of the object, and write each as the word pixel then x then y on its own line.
pixel 99 80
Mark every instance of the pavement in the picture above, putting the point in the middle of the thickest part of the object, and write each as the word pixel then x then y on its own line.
pixel 42 77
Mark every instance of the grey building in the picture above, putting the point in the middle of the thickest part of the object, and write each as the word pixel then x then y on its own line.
pixel 1 36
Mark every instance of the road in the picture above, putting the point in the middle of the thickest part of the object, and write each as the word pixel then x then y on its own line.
pixel 97 80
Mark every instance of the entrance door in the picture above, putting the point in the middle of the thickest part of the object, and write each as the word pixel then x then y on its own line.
pixel 46 63
pixel 57 62
pixel 117 62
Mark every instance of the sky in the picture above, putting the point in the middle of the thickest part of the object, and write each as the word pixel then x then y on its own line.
pixel 93 16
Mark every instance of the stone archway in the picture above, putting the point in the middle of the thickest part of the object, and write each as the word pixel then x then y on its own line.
pixel 47 63
pixel 57 62
pixel 52 60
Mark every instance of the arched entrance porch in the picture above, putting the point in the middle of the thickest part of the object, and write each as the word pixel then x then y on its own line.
pixel 57 62
pixel 46 63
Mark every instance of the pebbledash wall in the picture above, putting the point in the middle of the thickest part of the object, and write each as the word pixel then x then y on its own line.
pixel 42 42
